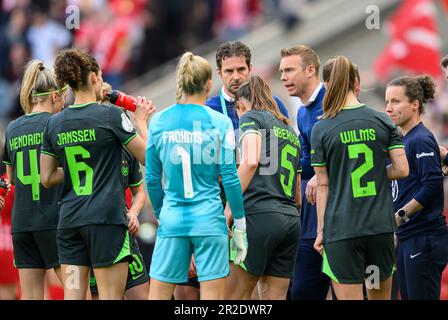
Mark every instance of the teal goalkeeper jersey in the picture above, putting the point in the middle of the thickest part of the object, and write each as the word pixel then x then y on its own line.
pixel 191 146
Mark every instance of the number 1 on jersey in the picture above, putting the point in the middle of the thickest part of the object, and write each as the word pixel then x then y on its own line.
pixel 186 172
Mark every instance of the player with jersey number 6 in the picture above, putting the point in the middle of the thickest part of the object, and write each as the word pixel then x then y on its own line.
pixel 86 139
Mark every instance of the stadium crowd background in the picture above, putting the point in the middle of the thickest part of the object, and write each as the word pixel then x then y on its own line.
pixel 131 38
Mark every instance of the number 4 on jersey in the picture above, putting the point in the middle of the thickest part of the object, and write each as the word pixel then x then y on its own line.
pixel 33 178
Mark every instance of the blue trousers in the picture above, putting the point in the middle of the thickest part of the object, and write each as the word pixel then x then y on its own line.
pixel 308 282
pixel 420 262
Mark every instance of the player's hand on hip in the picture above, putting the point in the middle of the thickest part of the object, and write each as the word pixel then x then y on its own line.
pixel 133 223
pixel 319 243
pixel 311 190
pixel 239 243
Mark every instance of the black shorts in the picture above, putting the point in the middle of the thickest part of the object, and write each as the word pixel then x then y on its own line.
pixel 96 246
pixel 351 261
pixel 137 273
pixel 273 239
pixel 35 249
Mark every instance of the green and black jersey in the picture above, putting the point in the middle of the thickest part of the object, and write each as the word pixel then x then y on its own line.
pixel 354 147
pixel 273 187
pixel 131 175
pixel 88 140
pixel 35 208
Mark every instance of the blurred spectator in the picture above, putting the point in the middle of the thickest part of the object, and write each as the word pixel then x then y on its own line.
pixel 46 36
pixel 110 34
pixel 236 17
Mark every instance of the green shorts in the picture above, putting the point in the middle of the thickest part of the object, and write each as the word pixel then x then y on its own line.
pixel 35 249
pixel 273 240
pixel 351 261
pixel 97 246
pixel 137 273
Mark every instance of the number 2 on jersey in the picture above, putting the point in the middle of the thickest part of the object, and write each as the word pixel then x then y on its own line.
pixel 354 151
pixel 34 177
pixel 186 172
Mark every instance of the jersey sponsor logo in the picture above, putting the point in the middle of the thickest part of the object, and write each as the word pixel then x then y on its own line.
pixel 424 154
pixel 394 190
pixel 247 124
pixel 126 123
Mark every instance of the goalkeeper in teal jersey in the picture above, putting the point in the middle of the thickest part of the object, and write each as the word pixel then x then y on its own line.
pixel 192 145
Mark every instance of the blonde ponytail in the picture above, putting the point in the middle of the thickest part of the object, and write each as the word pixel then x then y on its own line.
pixel 36 80
pixel 193 72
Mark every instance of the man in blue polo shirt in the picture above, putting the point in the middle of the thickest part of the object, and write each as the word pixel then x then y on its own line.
pixel 234 68
pixel 299 68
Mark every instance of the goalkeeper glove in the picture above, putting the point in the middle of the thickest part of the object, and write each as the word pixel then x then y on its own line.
pixel 239 241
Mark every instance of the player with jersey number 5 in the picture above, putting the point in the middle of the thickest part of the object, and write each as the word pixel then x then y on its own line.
pixel 191 145
pixel 269 172
pixel 35 210
pixel 86 139
pixel 352 143
pixel 422 250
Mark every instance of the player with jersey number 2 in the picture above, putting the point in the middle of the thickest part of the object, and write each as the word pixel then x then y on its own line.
pixel 191 145
pixel 352 143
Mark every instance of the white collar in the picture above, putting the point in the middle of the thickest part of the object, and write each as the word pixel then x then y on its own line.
pixel 226 96
pixel 313 96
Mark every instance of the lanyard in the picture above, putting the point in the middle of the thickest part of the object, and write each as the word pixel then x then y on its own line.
pixel 223 105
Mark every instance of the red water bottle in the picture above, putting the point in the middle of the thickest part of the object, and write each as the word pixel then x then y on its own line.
pixel 120 99
pixel 3 188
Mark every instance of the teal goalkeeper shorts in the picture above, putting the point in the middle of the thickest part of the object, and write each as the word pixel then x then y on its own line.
pixel 171 259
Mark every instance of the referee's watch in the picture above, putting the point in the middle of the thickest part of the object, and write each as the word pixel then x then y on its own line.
pixel 402 214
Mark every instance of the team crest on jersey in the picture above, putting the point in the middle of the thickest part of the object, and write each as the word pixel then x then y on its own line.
pixel 124 168
pixel 126 123
pixel 394 190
